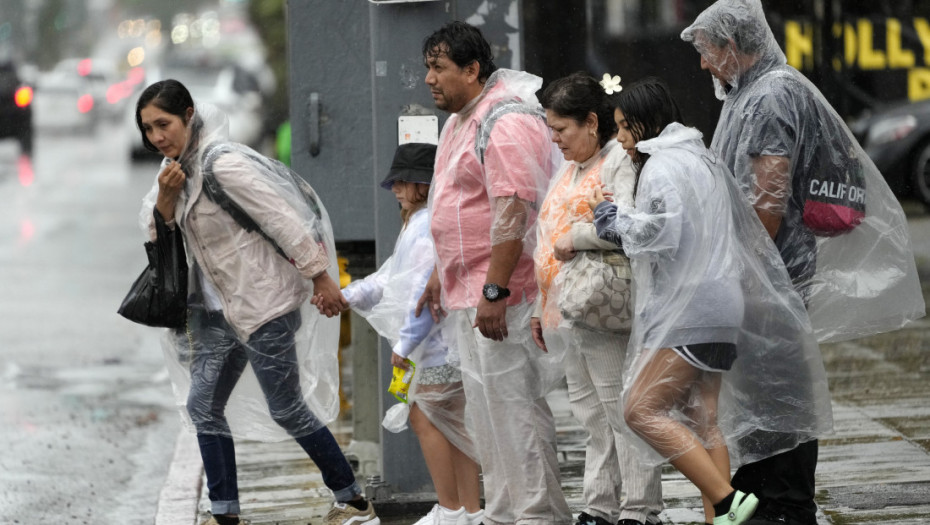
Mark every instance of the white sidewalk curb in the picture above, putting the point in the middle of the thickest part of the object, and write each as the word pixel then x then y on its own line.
pixel 180 495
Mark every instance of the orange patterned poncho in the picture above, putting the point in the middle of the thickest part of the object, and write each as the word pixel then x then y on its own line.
pixel 565 204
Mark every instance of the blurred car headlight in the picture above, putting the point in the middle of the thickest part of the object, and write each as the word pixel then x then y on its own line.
pixel 891 129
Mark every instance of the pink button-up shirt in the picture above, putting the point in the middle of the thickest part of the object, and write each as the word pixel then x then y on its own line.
pixel 517 162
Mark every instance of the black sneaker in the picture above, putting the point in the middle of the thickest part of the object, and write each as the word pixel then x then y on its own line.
pixel 586 519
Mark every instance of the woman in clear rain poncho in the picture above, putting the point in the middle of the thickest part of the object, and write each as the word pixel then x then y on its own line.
pixel 714 310
pixel 256 357
pixel 582 123
pixel 436 398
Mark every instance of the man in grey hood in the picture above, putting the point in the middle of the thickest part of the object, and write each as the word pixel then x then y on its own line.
pixel 840 231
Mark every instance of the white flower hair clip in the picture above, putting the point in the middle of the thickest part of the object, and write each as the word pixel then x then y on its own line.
pixel 611 84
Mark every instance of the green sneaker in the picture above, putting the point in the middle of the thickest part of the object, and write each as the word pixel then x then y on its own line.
pixel 740 510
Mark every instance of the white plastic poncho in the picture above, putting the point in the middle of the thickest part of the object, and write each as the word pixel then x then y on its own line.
pixel 387 299
pixel 705 272
pixel 242 283
pixel 791 154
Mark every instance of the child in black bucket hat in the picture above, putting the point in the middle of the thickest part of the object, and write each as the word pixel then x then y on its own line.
pixel 436 399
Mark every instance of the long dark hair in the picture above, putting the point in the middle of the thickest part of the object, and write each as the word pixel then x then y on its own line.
pixel 577 95
pixel 171 97
pixel 463 44
pixel 648 107
pixel 422 195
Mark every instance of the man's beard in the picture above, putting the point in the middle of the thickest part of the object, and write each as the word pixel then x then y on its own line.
pixel 720 91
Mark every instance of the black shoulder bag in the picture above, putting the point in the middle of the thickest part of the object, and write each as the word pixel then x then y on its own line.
pixel 159 295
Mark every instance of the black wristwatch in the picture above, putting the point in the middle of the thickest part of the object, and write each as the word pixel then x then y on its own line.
pixel 493 292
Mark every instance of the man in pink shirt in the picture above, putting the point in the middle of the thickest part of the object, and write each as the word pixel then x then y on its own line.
pixel 493 165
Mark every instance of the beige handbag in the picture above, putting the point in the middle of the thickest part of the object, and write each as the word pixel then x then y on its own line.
pixel 595 290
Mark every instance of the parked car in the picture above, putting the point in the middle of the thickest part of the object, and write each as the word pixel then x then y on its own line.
pixel 15 107
pixel 94 78
pixel 63 104
pixel 897 139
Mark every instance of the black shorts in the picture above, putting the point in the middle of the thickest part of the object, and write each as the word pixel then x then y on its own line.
pixel 712 357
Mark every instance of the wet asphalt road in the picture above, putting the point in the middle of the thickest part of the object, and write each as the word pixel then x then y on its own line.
pixel 87 422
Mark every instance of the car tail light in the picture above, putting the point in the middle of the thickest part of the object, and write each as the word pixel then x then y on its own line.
pixel 118 91
pixel 84 67
pixel 85 103
pixel 135 75
pixel 23 96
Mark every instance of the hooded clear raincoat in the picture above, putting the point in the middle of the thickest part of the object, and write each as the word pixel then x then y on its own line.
pixel 705 272
pixel 387 299
pixel 249 306
pixel 794 157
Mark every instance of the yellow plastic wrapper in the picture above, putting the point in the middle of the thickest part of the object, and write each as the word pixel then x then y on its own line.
pixel 400 381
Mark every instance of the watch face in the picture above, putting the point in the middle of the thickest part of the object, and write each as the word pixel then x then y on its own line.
pixel 491 292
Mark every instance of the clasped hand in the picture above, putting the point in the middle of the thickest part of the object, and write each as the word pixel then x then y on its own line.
pixel 327 297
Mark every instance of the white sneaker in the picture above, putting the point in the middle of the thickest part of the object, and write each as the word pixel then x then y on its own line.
pixel 430 517
pixel 440 515
pixel 450 517
pixel 473 518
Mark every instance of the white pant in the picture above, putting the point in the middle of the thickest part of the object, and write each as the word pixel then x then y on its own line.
pixel 512 425
pixel 594 370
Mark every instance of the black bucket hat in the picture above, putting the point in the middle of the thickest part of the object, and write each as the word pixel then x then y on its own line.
pixel 413 162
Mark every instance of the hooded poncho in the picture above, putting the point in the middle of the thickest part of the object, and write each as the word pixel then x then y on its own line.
pixel 387 299
pixel 705 272
pixel 794 157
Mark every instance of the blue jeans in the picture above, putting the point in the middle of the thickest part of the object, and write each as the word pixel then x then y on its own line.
pixel 218 360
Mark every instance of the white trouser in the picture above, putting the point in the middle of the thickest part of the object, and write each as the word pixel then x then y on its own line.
pixel 594 370
pixel 512 425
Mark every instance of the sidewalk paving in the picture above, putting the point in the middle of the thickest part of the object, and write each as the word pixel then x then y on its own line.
pixel 874 469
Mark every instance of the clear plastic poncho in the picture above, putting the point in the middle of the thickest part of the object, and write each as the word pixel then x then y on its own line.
pixel 705 272
pixel 493 166
pixel 794 157
pixel 387 299
pixel 565 211
pixel 249 305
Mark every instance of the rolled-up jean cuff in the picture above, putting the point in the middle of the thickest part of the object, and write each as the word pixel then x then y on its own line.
pixel 348 493
pixel 218 508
